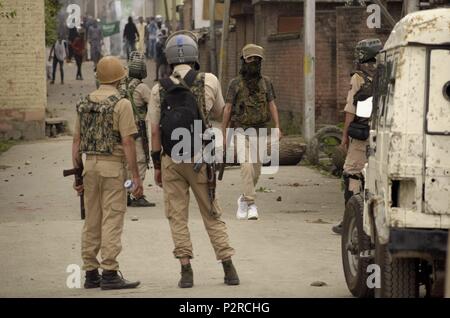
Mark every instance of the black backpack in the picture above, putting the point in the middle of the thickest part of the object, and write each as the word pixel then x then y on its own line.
pixel 180 109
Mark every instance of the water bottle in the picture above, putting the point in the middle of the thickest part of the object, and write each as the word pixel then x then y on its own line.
pixel 129 185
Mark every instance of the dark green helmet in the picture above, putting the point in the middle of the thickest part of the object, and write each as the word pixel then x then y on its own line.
pixel 136 66
pixel 367 49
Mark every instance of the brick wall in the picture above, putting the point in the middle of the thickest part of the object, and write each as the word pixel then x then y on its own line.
pixel 22 64
pixel 284 64
pixel 338 29
pixel 350 29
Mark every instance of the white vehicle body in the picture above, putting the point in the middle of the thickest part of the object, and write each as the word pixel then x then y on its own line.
pixel 408 172
pixel 400 222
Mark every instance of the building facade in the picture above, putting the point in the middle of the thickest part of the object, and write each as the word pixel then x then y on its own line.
pixel 23 91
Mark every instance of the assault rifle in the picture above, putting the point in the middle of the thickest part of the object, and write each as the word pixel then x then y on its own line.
pixel 143 133
pixel 78 173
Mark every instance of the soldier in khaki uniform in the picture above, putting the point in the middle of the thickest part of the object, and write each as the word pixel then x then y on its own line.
pixel 138 94
pixel 361 88
pixel 176 178
pixel 104 131
pixel 250 103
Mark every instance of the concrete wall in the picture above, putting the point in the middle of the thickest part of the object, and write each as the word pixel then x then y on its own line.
pixel 23 92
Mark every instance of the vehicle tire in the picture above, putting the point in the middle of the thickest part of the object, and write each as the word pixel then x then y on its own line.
pixel 353 242
pixel 323 149
pixel 398 275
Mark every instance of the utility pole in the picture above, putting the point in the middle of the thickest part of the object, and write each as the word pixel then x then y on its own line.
pixel 224 41
pixel 95 9
pixel 411 5
pixel 166 10
pixel 174 15
pixel 144 9
pixel 309 69
pixel 212 35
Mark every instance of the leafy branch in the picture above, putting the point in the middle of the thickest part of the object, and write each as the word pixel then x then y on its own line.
pixel 7 14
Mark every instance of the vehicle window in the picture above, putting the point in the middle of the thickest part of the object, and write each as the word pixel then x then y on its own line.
pixel 391 69
pixel 379 90
pixel 438 108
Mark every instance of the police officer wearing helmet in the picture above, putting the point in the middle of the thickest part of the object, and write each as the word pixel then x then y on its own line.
pixel 176 178
pixel 250 103
pixel 356 129
pixel 138 93
pixel 104 131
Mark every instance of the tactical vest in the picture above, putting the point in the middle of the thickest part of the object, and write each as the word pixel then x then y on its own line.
pixel 198 89
pixel 250 109
pixel 96 125
pixel 364 92
pixel 126 89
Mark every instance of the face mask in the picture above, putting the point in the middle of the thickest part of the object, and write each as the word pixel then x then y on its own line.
pixel 251 70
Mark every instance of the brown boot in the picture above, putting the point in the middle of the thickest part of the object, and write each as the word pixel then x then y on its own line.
pixel 187 277
pixel 231 276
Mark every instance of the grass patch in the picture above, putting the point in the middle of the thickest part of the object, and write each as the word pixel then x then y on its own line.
pixel 5 145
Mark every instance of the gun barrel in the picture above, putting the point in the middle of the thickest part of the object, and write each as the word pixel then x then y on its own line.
pixel 69 172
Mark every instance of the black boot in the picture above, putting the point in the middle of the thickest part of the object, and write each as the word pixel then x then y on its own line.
pixel 112 280
pixel 231 276
pixel 141 203
pixel 93 279
pixel 187 277
pixel 128 199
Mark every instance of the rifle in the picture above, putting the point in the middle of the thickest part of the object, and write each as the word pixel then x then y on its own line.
pixel 224 160
pixel 211 175
pixel 77 172
pixel 143 133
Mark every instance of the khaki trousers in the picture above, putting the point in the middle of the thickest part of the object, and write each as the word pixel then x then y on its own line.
pixel 140 159
pixel 176 179
pixel 105 202
pixel 355 161
pixel 247 154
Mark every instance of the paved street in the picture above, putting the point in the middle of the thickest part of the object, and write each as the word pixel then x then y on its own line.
pixel 279 255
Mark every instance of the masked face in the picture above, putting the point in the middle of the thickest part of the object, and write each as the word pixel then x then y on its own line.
pixel 252 69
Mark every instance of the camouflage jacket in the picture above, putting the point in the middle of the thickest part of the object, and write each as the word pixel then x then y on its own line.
pixel 250 109
pixel 96 125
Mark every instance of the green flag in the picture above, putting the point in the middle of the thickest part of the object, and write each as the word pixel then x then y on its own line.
pixel 109 29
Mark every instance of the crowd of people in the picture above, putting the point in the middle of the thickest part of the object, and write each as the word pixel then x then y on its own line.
pixel 86 43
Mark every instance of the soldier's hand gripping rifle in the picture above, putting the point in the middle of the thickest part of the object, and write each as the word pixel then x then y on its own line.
pixel 78 173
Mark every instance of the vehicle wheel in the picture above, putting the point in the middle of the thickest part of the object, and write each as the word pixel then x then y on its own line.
pixel 323 149
pixel 398 275
pixel 353 242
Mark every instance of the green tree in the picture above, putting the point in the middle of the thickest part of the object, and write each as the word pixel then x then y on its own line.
pixel 52 8
pixel 6 14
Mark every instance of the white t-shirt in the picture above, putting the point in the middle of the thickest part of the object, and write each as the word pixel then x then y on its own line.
pixel 60 50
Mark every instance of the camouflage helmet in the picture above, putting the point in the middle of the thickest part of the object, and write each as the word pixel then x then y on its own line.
pixel 110 70
pixel 252 50
pixel 367 49
pixel 137 68
pixel 182 47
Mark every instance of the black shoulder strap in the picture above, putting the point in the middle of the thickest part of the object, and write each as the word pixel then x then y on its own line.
pixel 190 77
pixel 166 83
